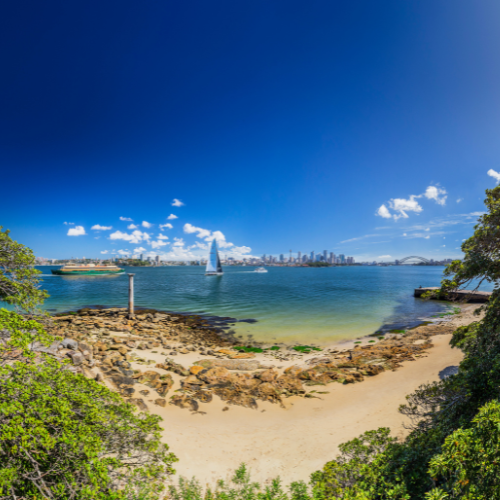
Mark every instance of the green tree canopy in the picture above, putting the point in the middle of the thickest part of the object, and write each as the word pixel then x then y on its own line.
pixel 19 284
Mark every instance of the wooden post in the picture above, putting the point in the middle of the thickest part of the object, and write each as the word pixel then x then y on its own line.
pixel 131 294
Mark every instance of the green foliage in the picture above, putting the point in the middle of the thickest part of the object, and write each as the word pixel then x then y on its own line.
pixel 355 472
pixel 19 284
pixel 19 334
pixel 318 264
pixel 63 436
pixel 469 465
pixel 464 337
pixel 240 487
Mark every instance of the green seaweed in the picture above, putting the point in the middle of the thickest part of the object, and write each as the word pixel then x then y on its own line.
pixel 248 349
pixel 305 348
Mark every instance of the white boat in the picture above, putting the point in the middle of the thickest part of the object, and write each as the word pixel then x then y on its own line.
pixel 213 264
pixel 260 270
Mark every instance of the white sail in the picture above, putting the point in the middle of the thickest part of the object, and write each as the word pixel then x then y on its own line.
pixel 213 264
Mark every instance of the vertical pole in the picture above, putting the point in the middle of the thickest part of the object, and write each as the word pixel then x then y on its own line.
pixel 131 294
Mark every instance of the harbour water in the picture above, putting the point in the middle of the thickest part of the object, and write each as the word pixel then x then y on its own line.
pixel 318 305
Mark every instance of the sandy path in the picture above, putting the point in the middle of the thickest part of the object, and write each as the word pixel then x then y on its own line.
pixel 296 441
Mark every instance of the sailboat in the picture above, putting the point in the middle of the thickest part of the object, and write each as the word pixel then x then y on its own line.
pixel 213 265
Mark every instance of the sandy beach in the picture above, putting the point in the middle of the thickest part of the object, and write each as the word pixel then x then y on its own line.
pixel 294 441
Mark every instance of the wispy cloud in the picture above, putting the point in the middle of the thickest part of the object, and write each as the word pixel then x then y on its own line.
pixel 128 219
pixel 98 227
pixel 76 231
pixel 147 224
pixel 104 252
pixel 167 225
pixel 177 203
pixel 132 226
pixel 172 216
pixel 360 238
pixel 69 223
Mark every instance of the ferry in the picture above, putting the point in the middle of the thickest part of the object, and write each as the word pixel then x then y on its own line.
pixel 83 269
pixel 260 270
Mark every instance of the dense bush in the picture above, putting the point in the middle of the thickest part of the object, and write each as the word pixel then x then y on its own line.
pixel 63 436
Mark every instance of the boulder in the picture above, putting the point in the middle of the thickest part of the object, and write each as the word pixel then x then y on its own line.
pixel 161 402
pixel 194 370
pixel 171 366
pixel 183 401
pixel 139 403
pixel 269 375
pixel 214 376
pixel 76 357
pixel 289 384
pixel 70 344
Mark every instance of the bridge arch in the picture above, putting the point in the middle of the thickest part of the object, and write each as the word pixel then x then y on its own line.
pixel 414 257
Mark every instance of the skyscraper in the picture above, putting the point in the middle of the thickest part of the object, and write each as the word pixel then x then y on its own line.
pixel 142 256
pixel 299 256
pixel 332 258
pixel 312 256
pixel 325 256
pixel 282 258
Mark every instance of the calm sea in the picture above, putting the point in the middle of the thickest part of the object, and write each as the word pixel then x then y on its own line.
pixel 290 304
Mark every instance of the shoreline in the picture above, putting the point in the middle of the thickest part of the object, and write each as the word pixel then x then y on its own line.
pixel 281 412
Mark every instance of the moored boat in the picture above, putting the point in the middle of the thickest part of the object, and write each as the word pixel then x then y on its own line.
pixel 88 269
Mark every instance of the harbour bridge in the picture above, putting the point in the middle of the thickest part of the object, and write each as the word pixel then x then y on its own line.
pixel 413 257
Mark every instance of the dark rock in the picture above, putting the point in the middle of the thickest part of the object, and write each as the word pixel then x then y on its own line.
pixel 70 344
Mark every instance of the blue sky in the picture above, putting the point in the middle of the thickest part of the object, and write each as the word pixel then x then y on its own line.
pixel 278 125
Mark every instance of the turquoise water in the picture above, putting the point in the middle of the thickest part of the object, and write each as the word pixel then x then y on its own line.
pixel 290 304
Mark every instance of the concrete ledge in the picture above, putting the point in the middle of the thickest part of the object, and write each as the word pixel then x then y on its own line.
pixel 458 296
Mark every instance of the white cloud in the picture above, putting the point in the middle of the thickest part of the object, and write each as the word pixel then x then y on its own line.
pixel 495 175
pixel 167 225
pixel 104 251
pixel 201 233
pixel 384 212
pixel 437 194
pixel 158 244
pixel 147 224
pixel 459 200
pixel 140 250
pixel 403 206
pixel 123 252
pixel 76 231
pixel 98 227
pixel 404 234
pixel 162 237
pixel 135 237
pixel 132 226
pixel 444 245
pixel 177 203
pixel 384 257
pixel 428 229
pixel 128 219
pixel 69 223
pixel 179 242
pixel 172 216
